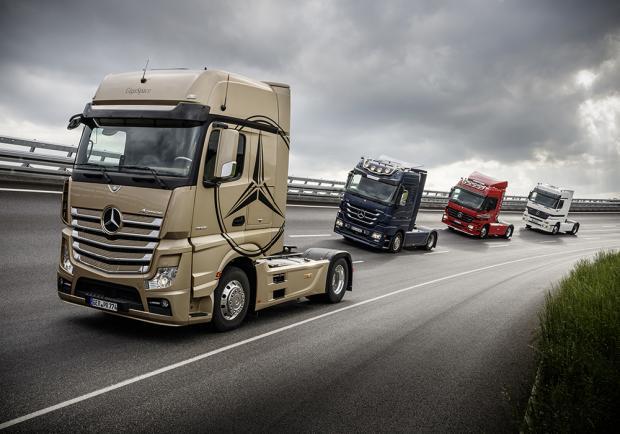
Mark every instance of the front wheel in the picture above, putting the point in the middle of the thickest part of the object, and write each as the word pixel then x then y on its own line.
pixel 575 229
pixel 555 229
pixel 430 243
pixel 484 232
pixel 397 243
pixel 509 232
pixel 231 300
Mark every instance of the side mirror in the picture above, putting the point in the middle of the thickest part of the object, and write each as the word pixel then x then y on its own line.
pixel 74 121
pixel 404 197
pixel 226 158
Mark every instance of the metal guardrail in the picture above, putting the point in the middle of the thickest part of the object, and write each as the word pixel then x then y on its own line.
pixel 21 163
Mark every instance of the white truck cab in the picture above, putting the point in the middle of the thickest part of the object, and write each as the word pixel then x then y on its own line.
pixel 547 210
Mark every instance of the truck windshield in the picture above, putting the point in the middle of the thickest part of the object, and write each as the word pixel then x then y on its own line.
pixel 543 199
pixel 370 188
pixel 163 148
pixel 466 198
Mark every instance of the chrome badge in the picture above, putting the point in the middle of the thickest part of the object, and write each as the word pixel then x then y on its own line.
pixel 111 220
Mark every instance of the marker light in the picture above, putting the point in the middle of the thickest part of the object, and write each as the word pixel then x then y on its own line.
pixel 66 260
pixel 163 278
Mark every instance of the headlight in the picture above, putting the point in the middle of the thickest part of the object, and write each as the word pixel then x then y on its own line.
pixel 470 227
pixel 339 223
pixel 376 236
pixel 66 259
pixel 444 216
pixel 163 278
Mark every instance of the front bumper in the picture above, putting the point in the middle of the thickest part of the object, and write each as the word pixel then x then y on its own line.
pixel 128 291
pixel 363 235
pixel 468 228
pixel 537 223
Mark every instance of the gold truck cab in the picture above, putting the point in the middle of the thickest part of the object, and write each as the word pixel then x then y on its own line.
pixel 175 209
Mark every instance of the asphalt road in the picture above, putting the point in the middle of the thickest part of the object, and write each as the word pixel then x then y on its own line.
pixel 426 341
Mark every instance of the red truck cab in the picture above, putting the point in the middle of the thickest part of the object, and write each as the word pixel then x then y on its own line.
pixel 474 204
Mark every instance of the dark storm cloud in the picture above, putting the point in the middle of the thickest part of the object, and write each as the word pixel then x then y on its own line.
pixel 428 81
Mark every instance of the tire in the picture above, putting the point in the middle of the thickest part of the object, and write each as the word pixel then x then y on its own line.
pixel 231 300
pixel 484 232
pixel 509 231
pixel 397 243
pixel 528 227
pixel 575 229
pixel 555 229
pixel 430 243
pixel 337 280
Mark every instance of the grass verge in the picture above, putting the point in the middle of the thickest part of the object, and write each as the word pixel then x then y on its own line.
pixel 577 386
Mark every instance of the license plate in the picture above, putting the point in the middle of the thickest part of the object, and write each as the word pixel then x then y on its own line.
pixel 458 222
pixel 103 304
pixel 358 230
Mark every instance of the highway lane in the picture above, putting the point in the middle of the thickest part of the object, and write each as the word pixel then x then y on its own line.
pixel 435 357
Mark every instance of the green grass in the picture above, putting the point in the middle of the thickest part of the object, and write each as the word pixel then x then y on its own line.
pixel 578 350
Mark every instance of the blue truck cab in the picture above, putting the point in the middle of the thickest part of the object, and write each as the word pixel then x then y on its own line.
pixel 380 204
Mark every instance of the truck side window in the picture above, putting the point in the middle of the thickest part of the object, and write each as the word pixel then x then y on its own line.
pixel 560 204
pixel 491 204
pixel 214 139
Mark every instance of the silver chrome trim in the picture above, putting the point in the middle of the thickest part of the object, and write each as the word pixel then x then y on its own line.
pixel 119 261
pixel 153 235
pixel 149 246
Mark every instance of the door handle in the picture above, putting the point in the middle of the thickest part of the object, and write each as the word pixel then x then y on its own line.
pixel 238 221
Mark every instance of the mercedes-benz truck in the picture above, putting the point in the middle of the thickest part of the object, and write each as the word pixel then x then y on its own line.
pixel 380 204
pixel 474 205
pixel 175 209
pixel 547 210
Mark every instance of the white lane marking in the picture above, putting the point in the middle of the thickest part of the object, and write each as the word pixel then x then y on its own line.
pixel 25 190
pixel 499 245
pixel 437 252
pixel 309 235
pixel 596 230
pixel 550 241
pixel 609 226
pixel 313 206
pixel 208 354
pixel 589 238
pixel 357 262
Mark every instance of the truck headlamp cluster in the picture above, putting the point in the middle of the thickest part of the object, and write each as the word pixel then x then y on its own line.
pixel 163 278
pixel 65 263
pixel 339 223
pixel 376 236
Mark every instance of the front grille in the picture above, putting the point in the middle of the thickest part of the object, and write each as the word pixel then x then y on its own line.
pixel 535 212
pixel 460 215
pixel 363 216
pixel 127 296
pixel 129 250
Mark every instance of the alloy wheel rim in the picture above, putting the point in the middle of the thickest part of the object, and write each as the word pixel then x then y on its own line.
pixel 232 300
pixel 338 279
pixel 397 242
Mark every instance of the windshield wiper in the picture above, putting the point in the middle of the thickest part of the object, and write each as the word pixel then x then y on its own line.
pixel 160 181
pixel 94 166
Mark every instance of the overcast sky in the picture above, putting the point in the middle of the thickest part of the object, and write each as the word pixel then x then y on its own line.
pixel 528 91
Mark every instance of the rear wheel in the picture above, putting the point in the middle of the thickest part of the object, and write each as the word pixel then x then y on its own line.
pixel 555 229
pixel 231 300
pixel 397 243
pixel 575 229
pixel 484 231
pixel 337 280
pixel 509 232
pixel 430 243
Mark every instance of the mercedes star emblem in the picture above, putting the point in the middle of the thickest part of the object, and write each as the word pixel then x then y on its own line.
pixel 111 220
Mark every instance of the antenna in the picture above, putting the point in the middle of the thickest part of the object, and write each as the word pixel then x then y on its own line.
pixel 223 106
pixel 143 79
